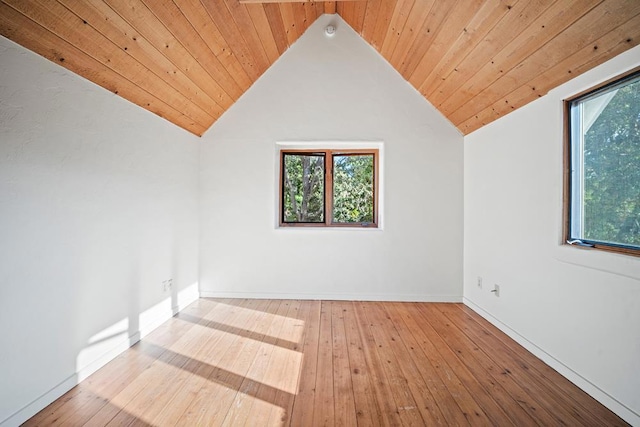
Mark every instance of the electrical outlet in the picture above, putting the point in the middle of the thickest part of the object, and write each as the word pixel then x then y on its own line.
pixel 480 282
pixel 496 290
pixel 166 285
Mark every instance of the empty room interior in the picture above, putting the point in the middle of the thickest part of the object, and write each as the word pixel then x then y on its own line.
pixel 355 212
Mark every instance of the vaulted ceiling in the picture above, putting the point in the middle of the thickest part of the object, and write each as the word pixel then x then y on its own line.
pixel 189 60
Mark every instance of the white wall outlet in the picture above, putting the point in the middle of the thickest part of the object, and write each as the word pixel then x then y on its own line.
pixel 166 285
pixel 480 282
pixel 496 290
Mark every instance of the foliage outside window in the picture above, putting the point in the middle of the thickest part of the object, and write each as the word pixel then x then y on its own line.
pixel 328 188
pixel 603 203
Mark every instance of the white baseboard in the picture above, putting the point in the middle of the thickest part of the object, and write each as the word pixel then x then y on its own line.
pixel 593 390
pixel 149 320
pixel 332 296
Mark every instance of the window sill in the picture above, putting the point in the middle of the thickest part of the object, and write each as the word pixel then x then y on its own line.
pixel 325 228
pixel 601 260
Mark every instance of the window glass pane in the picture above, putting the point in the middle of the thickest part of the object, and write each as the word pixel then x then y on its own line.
pixel 303 187
pixel 353 188
pixel 609 181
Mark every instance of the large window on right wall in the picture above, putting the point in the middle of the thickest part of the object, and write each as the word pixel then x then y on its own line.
pixel 602 179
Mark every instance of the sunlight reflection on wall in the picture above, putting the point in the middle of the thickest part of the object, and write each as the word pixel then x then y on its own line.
pixel 105 345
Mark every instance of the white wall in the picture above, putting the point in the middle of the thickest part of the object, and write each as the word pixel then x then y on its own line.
pixel 328 89
pixel 98 205
pixel 578 310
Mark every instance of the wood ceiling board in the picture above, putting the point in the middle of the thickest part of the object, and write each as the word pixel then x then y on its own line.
pixel 396 24
pixel 410 31
pixel 272 11
pixel 385 12
pixel 248 30
pixel 344 9
pixel 431 73
pixel 57 19
pixel 430 28
pixel 300 16
pixel 312 11
pixel 620 39
pixel 289 21
pixel 586 31
pixel 545 28
pixel 101 17
pixel 263 29
pixel 452 29
pixel 191 51
pixel 520 17
pixel 199 18
pixel 250 57
pixel 189 60
pixel 330 7
pixel 297 1
pixel 138 15
pixel 320 8
pixel 360 10
pixel 370 19
pixel 33 36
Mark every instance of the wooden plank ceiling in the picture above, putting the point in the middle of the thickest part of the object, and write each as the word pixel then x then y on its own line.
pixel 189 60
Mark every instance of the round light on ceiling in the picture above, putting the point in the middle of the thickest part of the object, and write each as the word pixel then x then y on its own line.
pixel 330 30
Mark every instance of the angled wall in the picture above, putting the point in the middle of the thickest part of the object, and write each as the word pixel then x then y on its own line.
pixel 332 89
pixel 98 206
pixel 578 310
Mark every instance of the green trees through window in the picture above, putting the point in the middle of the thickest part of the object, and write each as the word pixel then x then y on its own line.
pixel 303 187
pixel 605 165
pixel 328 187
pixel 353 188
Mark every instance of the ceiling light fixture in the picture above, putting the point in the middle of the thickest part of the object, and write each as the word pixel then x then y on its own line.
pixel 330 30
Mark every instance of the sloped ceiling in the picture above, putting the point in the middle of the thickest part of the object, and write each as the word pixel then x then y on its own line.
pixel 190 60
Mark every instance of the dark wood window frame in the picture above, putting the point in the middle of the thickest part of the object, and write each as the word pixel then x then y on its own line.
pixel 328 187
pixel 568 239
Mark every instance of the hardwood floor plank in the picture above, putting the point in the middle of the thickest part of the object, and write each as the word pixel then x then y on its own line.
pixel 228 368
pixel 425 389
pixel 484 397
pixel 240 409
pixel 344 405
pixel 426 340
pixel 245 362
pixel 324 397
pixel 383 393
pixel 367 409
pixel 303 408
pixel 194 397
pixel 514 400
pixel 295 360
pixel 556 393
pixel 194 373
pixel 392 351
pixel 284 368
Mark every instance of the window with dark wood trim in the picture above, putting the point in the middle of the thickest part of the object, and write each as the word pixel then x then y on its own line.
pixel 602 166
pixel 337 188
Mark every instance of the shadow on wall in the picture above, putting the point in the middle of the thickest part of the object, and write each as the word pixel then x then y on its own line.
pixel 111 341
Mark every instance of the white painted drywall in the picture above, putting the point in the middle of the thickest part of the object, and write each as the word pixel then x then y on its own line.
pixel 578 310
pixel 98 205
pixel 332 89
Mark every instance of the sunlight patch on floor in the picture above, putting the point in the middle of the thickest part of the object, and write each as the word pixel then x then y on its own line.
pixel 293 327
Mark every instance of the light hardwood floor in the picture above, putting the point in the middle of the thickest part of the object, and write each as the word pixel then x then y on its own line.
pixel 310 363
